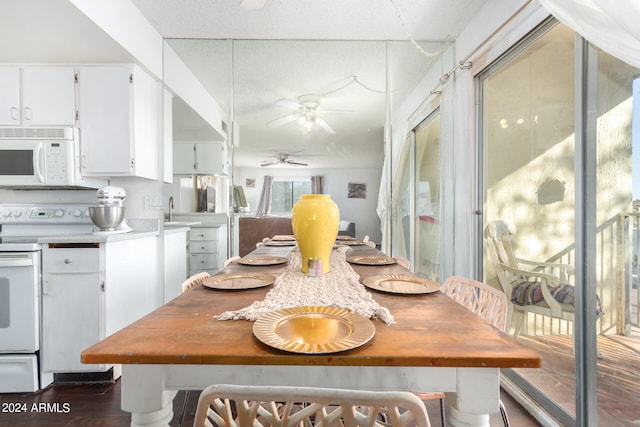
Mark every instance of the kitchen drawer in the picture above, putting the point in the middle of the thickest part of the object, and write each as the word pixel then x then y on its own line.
pixel 19 374
pixel 198 234
pixel 203 247
pixel 203 262
pixel 70 260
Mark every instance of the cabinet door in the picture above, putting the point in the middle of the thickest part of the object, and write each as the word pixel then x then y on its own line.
pixel 146 124
pixel 48 96
pixel 183 158
pixel 209 158
pixel 9 96
pixel 104 104
pixel 68 302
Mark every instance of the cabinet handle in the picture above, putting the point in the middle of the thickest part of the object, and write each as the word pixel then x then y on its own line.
pixel 14 113
pixel 201 247
pixel 28 113
pixel 68 261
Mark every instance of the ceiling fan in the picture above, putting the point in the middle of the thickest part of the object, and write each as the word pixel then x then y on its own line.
pixel 282 159
pixel 306 113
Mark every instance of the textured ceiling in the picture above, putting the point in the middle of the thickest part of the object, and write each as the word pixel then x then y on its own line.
pixel 311 19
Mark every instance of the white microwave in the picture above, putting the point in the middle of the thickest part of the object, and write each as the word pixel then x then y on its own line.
pixel 39 157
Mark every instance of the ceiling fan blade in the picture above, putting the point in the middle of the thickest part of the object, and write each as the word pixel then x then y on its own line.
pixel 324 125
pixel 287 103
pixel 268 163
pixel 335 111
pixel 283 120
pixel 292 162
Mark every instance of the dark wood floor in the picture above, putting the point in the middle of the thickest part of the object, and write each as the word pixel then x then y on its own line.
pixel 99 405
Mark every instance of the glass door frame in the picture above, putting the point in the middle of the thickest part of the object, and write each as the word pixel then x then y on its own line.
pixel 585 99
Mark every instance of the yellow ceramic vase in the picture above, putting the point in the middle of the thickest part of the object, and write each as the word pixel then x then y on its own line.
pixel 315 220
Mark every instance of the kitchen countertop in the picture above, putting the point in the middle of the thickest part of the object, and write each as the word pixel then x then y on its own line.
pixel 141 228
pixel 206 219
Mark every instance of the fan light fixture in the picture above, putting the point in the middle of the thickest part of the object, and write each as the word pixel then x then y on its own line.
pixel 306 113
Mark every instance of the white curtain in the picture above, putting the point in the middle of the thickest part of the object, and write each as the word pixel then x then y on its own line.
pixel 611 25
pixel 264 206
pixel 317 184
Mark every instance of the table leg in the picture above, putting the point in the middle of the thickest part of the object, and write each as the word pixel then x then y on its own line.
pixel 145 396
pixel 477 396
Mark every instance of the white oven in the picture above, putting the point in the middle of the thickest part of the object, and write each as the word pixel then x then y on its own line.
pixel 20 318
pixel 21 344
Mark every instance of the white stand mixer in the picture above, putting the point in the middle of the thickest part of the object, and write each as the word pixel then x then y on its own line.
pixel 108 215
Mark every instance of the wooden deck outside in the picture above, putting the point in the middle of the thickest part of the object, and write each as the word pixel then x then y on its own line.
pixel 618 375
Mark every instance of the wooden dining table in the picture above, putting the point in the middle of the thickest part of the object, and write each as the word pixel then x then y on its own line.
pixel 434 344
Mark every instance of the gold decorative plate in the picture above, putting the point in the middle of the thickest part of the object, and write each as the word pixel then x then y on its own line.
pixel 371 260
pixel 281 243
pixel 401 284
pixel 263 260
pixel 350 242
pixel 239 281
pixel 284 237
pixel 344 237
pixel 313 329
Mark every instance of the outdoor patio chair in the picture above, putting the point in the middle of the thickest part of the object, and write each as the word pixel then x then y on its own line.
pixel 532 286
pixel 240 406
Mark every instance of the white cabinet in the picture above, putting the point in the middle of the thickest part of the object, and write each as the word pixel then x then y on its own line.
pixel 206 249
pixel 37 96
pixel 175 261
pixel 200 158
pixel 72 295
pixel 119 116
pixel 91 290
pixel 167 146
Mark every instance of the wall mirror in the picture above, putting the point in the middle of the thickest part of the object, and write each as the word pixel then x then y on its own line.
pixel 322 103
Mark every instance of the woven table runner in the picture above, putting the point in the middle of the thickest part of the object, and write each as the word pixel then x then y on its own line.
pixel 339 288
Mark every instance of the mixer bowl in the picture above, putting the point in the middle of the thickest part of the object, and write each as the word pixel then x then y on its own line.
pixel 106 217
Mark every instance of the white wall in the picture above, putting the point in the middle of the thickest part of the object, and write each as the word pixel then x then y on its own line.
pixel 360 211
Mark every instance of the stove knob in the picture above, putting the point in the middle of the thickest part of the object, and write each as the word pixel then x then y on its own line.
pixel 77 213
pixel 59 213
pixel 17 213
pixel 6 214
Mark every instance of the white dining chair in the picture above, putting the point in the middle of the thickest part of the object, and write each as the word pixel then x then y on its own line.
pixel 404 262
pixel 231 260
pixel 487 302
pixel 239 406
pixel 193 280
pixel 368 242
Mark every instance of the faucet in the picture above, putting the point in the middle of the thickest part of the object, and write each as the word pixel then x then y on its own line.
pixel 171 207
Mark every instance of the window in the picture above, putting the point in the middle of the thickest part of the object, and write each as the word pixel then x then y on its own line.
pixel 286 192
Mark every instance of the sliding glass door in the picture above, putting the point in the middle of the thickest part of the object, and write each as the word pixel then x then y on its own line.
pixel 544 143
pixel 416 202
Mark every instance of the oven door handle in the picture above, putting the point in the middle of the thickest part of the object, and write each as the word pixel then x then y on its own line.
pixel 15 262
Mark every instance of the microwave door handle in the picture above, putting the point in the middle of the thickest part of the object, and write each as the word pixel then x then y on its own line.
pixel 38 163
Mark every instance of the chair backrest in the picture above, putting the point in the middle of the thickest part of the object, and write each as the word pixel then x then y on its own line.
pixel 485 301
pixel 279 406
pixel 231 260
pixel 193 280
pixel 497 235
pixel 403 262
